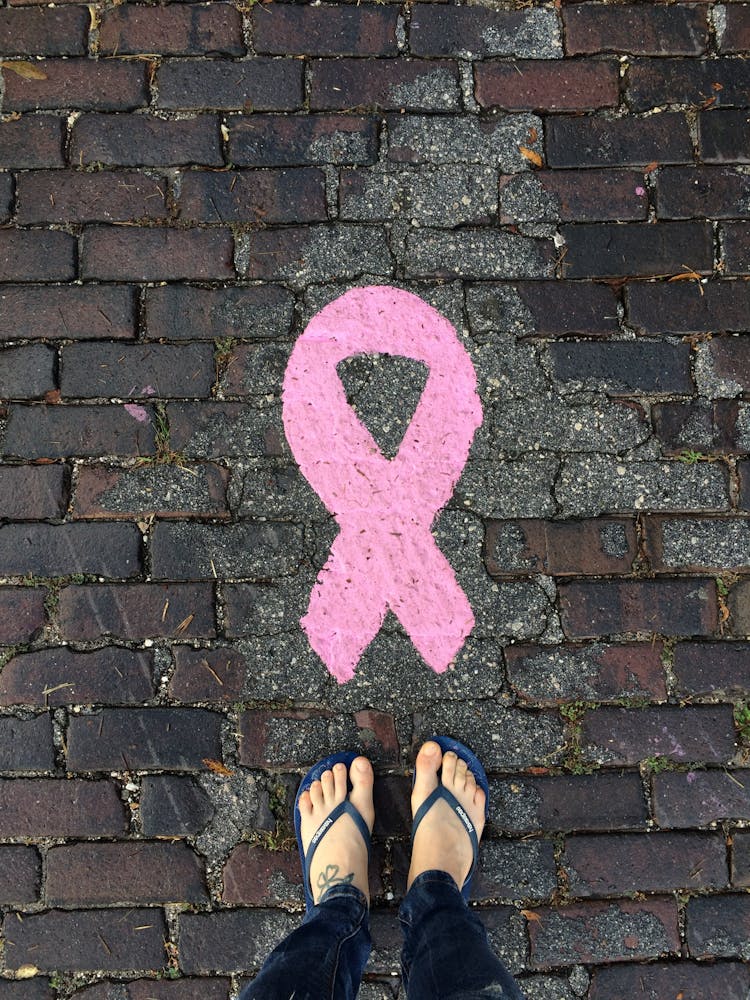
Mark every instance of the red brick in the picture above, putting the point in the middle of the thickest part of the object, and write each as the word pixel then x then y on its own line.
pixel 72 196
pixel 555 308
pixel 673 607
pixel 173 806
pixel 639 30
pixel 740 858
pixel 216 430
pixel 616 865
pixel 174 739
pixel 36 255
pixel 603 932
pixel 697 798
pixel 44 32
pixel 137 611
pixel 275 738
pixel 83 940
pixel 20 875
pixel 716 668
pixel 60 807
pixel 59 549
pixel 653 82
pixel 255 369
pixel 718 926
pixel 387 84
pixel 137 370
pixel 606 195
pixel 589 141
pixel 181 312
pixel 85 431
pixel 141 140
pixel 736 247
pixel 666 980
pixel 637 249
pixel 31 141
pixel 66 311
pixel 698 192
pixel 214 675
pixel 550 675
pixel 624 367
pixel 21 615
pixel 662 308
pixel 127 254
pixel 85 84
pixel 560 548
pixel 50 677
pixel 26 744
pixel 689 733
pixel 697 426
pixel 172 30
pixel 736 35
pixel 304 252
pixel 730 359
pixel 26 372
pixel 252 196
pixel 256 85
pixel 138 873
pixel 330 30
pixel 26 989
pixel 254 876
pixel 29 493
pixel 162 489
pixel 724 136
pixel 6 197
pixel 549 84
pixel 204 988
pixel 278 140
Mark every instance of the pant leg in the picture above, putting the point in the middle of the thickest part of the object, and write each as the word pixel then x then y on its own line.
pixel 446 954
pixel 324 958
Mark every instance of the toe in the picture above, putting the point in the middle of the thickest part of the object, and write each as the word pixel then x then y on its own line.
pixel 362 779
pixel 339 782
pixel 450 762
pixel 470 783
pixel 305 804
pixel 316 794
pixel 461 772
pixel 426 769
pixel 326 780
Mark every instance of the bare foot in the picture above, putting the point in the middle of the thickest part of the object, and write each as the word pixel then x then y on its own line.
pixel 341 857
pixel 442 841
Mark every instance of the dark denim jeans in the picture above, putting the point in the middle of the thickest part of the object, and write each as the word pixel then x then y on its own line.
pixel 446 954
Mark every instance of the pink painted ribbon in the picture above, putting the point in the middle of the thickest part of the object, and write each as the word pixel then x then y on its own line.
pixel 384 556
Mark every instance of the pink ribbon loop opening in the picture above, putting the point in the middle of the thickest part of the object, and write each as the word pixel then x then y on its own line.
pixel 384 556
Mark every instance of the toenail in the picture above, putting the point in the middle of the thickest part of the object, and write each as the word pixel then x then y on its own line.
pixel 361 765
pixel 429 749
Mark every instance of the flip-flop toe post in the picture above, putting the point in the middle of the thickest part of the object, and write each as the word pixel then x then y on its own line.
pixel 446 744
pixel 326 764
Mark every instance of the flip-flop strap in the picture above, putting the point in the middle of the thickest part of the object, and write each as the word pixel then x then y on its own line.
pixel 441 792
pixel 325 826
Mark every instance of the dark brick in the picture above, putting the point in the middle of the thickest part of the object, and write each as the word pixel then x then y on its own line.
pixel 255 369
pixel 162 489
pixel 653 82
pixel 730 359
pixel 172 30
pixel 85 84
pixel 205 988
pixel 141 140
pixel 739 596
pixel 604 932
pixel 691 733
pixel 256 85
pixel 60 807
pixel 554 308
pixel 718 926
pixel 736 247
pixel 253 196
pixel 37 988
pixel 740 858
pixel 209 942
pixel 554 85
pixel 637 249
pixel 724 136
pixel 6 197
pixel 697 798
pixel 711 192
pixel 32 492
pixel 26 744
pixel 66 311
pixel 138 873
pixel 179 312
pixel 254 876
pixel 307 253
pixel 127 254
pixel 736 34
pixel 743 467
pixel 49 677
pixel 717 668
pixel 111 550
pixel 26 372
pixel 215 675
pixel 599 142
pixel 173 806
pixel 277 140
pixel 136 611
pixel 600 672
pixel 31 141
pixel 445 30
pixel 81 940
pixel 666 980
pixel 170 738
pixel 614 865
pixel 72 196
pixel 673 607
pixel 330 30
pixel 133 371
pixel 200 552
pixel 20 875
pixel 624 367
pixel 36 255
pixel 217 430
pixel 387 84
pixel 85 431
pixel 678 308
pixel 561 548
pixel 606 195
pixel 44 32
pixel 21 613
pixel 636 29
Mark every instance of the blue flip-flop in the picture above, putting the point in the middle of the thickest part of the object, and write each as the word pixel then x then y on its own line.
pixel 472 761
pixel 342 757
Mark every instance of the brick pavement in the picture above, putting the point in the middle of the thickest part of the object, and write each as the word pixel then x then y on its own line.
pixel 181 187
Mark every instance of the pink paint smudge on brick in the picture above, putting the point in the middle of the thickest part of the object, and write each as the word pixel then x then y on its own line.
pixel 384 556
pixel 136 411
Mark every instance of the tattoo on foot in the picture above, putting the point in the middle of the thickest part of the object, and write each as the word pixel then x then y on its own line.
pixel 331 877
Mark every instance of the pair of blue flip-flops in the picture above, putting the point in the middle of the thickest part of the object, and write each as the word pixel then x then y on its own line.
pixel 346 757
